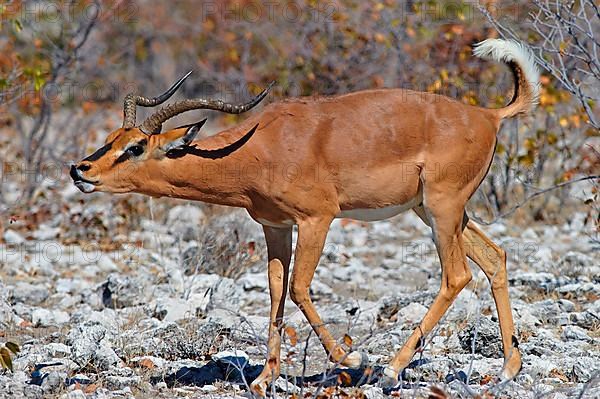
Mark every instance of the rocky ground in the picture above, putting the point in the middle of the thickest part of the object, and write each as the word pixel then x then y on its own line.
pixel 154 316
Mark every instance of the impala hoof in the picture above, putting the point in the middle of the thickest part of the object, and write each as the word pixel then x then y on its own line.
pixel 356 360
pixel 512 366
pixel 259 389
pixel 388 379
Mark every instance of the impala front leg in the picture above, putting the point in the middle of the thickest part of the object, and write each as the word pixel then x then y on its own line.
pixel 279 247
pixel 311 239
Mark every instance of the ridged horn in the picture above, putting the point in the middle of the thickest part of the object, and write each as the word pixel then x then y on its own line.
pixel 132 100
pixel 153 124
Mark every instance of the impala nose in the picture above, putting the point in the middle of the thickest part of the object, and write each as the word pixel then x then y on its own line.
pixel 83 184
pixel 75 171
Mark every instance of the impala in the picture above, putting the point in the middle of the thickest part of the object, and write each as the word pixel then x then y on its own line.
pixel 303 162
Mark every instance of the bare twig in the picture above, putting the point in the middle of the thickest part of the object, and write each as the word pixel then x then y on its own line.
pixel 529 198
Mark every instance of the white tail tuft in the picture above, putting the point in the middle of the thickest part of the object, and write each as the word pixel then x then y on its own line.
pixel 511 51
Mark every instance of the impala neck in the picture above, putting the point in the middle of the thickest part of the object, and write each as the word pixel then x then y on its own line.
pixel 198 178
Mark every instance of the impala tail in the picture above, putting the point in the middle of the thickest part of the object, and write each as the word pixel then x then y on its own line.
pixel 522 64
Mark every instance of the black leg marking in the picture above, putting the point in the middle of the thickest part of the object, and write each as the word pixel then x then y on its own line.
pixel 515 342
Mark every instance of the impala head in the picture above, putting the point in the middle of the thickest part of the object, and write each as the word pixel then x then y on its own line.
pixel 121 164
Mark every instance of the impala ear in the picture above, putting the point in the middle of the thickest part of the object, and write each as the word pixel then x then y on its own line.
pixel 181 140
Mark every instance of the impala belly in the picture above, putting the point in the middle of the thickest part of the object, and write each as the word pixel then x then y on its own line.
pixel 279 225
pixel 372 215
pixel 365 215
pixel 405 189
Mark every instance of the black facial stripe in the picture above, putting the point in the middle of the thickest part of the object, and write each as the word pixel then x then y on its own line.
pixel 122 158
pixel 99 153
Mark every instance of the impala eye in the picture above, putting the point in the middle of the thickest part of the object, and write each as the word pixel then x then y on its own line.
pixel 136 150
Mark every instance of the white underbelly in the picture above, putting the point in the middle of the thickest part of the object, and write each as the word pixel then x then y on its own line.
pixel 365 215
pixel 372 215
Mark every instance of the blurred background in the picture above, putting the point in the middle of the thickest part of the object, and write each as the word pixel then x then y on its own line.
pixel 67 65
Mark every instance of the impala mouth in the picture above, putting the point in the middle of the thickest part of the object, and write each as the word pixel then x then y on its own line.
pixel 83 184
pixel 84 187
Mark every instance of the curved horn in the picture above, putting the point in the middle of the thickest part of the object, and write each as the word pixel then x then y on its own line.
pixel 153 123
pixel 132 100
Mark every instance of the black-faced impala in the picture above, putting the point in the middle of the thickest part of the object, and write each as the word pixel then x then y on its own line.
pixel 303 162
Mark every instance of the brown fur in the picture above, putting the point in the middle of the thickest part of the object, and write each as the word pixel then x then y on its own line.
pixel 312 158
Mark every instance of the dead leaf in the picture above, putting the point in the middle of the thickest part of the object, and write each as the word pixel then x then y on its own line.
pixel 90 388
pixel 292 335
pixel 147 364
pixel 14 348
pixel 25 324
pixel 251 248
pixel 555 373
pixel 344 379
pixel 437 393
pixel 347 340
pixel 5 359
pixel 486 379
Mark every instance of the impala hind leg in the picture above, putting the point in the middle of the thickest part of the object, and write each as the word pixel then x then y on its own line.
pixel 446 218
pixel 492 260
pixel 279 247
pixel 311 239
